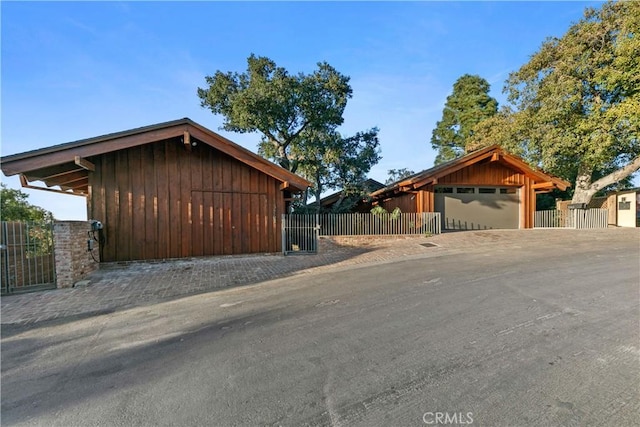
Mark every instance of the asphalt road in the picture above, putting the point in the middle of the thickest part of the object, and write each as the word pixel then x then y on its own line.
pixel 531 336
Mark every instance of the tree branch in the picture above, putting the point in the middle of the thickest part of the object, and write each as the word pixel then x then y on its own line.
pixel 618 175
pixel 299 131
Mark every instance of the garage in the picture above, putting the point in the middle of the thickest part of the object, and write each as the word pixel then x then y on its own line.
pixel 477 208
pixel 487 188
pixel 169 190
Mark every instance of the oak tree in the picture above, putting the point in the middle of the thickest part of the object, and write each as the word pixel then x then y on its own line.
pixel 284 108
pixel 331 161
pixel 577 102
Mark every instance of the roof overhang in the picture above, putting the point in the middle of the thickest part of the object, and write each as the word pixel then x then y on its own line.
pixel 65 169
pixel 543 182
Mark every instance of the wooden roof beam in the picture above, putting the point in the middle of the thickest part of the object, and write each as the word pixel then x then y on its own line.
pixel 69 183
pixel 84 163
pixel 427 181
pixel 75 186
pixel 543 185
pixel 25 184
pixel 186 140
pixel 86 148
pixel 45 176
pixel 62 178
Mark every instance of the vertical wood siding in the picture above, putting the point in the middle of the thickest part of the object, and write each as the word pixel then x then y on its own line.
pixel 407 202
pixel 160 201
pixel 487 173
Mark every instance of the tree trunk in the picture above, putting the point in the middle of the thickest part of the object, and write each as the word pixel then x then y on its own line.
pixel 318 192
pixel 283 159
pixel 585 189
pixel 336 205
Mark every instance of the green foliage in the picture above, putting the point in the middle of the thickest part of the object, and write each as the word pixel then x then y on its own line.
pixel 14 207
pixel 577 102
pixel 379 210
pixel 468 104
pixel 395 214
pixel 331 161
pixel 286 109
pixel 398 174
pixel 382 212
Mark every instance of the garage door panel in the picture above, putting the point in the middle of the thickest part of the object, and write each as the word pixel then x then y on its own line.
pixel 230 223
pixel 477 211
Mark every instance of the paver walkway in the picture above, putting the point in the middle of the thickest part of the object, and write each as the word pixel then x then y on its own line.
pixel 120 286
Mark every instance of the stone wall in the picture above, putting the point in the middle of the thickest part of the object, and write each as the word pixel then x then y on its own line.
pixel 364 240
pixel 73 261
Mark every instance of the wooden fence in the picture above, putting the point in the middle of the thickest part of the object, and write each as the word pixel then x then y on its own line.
pixel 575 218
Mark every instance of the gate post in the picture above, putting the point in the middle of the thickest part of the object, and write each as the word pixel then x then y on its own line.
pixel 72 258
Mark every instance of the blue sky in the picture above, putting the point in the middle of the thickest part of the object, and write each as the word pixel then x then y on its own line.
pixel 74 70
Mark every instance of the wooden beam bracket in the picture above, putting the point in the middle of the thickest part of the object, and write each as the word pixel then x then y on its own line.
pixel 84 164
pixel 543 185
pixel 25 184
pixel 186 140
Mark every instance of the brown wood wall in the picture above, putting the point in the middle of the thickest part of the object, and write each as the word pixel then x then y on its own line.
pixel 488 173
pixel 160 201
pixel 405 201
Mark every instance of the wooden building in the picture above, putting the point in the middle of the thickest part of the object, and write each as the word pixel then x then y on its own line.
pixel 485 189
pixel 362 205
pixel 170 190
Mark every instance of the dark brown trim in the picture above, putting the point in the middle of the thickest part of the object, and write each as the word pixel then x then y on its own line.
pixel 32 161
pixel 25 184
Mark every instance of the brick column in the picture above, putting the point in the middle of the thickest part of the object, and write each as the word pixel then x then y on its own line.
pixel 73 261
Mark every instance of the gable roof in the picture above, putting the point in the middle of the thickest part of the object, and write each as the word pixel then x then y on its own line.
pixel 542 180
pixel 369 185
pixel 65 166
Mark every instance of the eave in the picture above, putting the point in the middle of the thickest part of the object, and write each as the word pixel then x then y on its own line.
pixel 494 153
pixel 66 165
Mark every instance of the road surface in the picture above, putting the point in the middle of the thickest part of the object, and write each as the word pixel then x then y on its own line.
pixel 530 336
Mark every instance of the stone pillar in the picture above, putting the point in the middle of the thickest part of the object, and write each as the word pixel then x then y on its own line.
pixel 73 260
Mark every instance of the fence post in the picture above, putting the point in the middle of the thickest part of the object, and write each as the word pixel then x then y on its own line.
pixel 72 259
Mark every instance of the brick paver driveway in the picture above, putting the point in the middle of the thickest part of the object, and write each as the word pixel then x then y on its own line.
pixel 120 286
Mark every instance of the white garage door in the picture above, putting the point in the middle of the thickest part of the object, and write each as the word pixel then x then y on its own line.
pixel 478 208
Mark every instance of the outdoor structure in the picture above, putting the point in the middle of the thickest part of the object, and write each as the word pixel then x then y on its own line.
pixel 623 207
pixel 170 190
pixel 485 189
pixel 369 185
pixel 626 207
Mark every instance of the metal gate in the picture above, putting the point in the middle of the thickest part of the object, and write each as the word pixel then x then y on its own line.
pixel 26 262
pixel 300 233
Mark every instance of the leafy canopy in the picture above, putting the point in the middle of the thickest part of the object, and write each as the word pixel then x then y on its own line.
pixel 577 102
pixel 398 174
pixel 468 104
pixel 286 109
pixel 332 161
pixel 14 207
